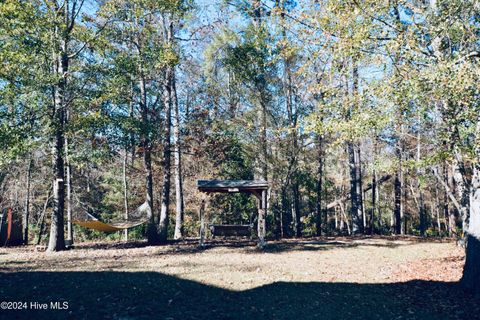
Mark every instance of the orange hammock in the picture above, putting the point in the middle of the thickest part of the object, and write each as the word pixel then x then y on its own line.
pixel 93 223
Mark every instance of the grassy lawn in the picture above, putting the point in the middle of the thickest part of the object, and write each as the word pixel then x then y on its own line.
pixel 322 278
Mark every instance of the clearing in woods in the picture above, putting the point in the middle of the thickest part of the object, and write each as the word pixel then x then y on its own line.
pixel 328 278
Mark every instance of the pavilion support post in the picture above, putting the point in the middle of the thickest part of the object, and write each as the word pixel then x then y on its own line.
pixel 202 222
pixel 262 207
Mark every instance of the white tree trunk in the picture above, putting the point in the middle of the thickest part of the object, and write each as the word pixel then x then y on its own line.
pixel 178 163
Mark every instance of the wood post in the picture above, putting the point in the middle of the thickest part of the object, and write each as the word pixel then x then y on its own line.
pixel 262 207
pixel 202 223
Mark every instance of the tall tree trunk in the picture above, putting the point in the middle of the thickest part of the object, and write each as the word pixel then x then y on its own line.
pixel 358 158
pixel 359 185
pixel 68 174
pixel 355 209
pixel 57 236
pixel 165 200
pixel 57 240
pixel 296 210
pixel 152 236
pixel 280 219
pixel 125 192
pixel 421 202
pixel 342 223
pixel 336 218
pixel 129 146
pixel 261 88
pixel 178 164
pixel 471 271
pixel 398 187
pixel 398 203
pixel 437 211
pixel 449 214
pixel 26 212
pixel 263 141
pixel 398 183
pixel 318 207
pixel 463 190
pixel 374 202
pixel 131 115
pixel 379 206
pixel 373 210
pixel 406 215
pixel 293 144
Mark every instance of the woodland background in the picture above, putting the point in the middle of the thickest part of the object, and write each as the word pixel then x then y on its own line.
pixel 362 115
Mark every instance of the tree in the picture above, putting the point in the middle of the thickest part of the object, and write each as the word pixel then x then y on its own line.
pixel 168 103
pixel 171 104
pixel 179 203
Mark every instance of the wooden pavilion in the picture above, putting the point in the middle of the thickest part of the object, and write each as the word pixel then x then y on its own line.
pixel 256 187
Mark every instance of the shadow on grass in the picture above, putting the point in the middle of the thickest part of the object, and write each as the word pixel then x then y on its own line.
pixel 146 295
pixel 329 244
pixel 324 243
pixel 185 246
pixel 130 244
pixel 110 245
pixel 295 244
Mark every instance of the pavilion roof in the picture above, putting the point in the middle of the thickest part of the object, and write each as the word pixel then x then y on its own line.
pixel 232 185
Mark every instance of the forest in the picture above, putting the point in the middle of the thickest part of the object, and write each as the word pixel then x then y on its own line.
pixel 362 116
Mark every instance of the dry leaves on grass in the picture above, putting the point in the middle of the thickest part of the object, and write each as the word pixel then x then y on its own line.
pixel 447 269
